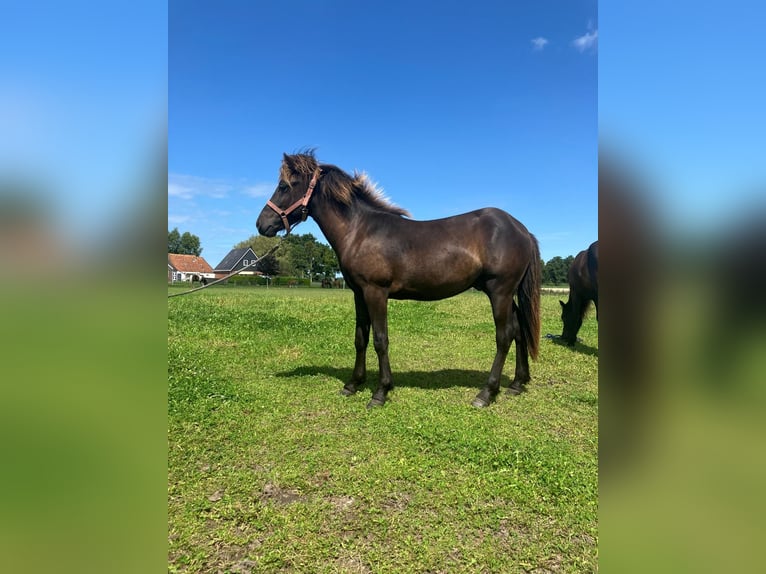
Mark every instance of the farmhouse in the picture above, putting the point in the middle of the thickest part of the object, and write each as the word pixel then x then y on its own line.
pixel 237 259
pixel 187 267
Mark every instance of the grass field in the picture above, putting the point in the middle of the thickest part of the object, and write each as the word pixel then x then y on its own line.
pixel 271 470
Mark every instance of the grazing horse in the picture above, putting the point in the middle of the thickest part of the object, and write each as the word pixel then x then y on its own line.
pixel 583 288
pixel 384 255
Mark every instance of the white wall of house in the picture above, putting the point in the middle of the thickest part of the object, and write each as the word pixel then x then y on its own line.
pixel 184 276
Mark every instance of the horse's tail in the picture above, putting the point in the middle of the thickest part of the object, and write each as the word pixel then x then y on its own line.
pixel 529 301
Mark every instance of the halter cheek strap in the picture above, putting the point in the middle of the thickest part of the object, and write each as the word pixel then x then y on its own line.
pixel 302 203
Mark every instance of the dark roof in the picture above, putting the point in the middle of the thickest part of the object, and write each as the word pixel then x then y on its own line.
pixel 189 263
pixel 233 257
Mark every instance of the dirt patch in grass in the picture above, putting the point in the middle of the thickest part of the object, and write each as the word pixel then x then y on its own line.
pixel 278 495
pixel 342 503
pixel 551 565
pixel 235 558
pixel 397 502
pixel 350 564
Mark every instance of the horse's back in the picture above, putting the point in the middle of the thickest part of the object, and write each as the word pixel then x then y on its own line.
pixel 583 274
pixel 593 265
pixel 488 227
pixel 438 258
pixel 496 228
pixel 497 239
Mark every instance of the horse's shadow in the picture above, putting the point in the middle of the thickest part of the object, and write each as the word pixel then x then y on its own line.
pixel 441 379
pixel 578 346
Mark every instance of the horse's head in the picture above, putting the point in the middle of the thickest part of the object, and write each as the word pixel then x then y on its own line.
pixel 572 321
pixel 290 202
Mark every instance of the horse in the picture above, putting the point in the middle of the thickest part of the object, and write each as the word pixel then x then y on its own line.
pixel 384 254
pixel 583 288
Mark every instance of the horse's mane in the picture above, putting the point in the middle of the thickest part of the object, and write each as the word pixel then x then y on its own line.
pixel 337 185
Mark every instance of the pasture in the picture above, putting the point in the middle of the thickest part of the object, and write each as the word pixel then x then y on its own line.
pixel 271 470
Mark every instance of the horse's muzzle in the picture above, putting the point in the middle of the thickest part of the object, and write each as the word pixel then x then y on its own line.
pixel 268 224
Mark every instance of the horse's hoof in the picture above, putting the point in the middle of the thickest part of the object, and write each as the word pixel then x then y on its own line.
pixel 480 403
pixel 375 403
pixel 346 392
pixel 515 389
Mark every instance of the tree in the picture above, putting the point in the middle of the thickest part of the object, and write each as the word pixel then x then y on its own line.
pixel 556 270
pixel 174 241
pixel 306 254
pixel 190 244
pixel 259 243
pixel 268 265
pixel 328 261
pixel 298 255
pixel 186 244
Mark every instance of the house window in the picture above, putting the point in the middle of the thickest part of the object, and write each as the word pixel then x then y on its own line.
pixel 246 262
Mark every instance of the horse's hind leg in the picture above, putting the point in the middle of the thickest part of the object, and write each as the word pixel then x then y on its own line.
pixel 595 303
pixel 521 376
pixel 502 311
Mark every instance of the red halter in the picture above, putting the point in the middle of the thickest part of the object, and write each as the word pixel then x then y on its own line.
pixel 303 203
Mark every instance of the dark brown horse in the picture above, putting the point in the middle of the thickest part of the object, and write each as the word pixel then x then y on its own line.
pixel 383 255
pixel 583 288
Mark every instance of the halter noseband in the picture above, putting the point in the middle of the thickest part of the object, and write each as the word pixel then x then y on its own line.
pixel 303 203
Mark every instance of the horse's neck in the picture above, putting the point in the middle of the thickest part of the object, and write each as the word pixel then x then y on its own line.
pixel 336 228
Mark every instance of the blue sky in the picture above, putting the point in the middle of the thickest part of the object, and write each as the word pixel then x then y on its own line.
pixel 448 106
pixel 83 107
pixel 682 87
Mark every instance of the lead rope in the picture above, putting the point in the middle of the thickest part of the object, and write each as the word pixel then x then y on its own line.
pixel 269 252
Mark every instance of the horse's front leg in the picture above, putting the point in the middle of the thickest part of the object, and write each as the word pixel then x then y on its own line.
pixel 377 305
pixel 361 340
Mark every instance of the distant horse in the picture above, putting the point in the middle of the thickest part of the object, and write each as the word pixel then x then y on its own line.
pixel 583 288
pixel 383 256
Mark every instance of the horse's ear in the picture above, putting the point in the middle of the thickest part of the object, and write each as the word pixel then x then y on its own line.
pixel 288 166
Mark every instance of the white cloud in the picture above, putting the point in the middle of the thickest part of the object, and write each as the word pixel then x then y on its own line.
pixel 179 191
pixel 586 41
pixel 177 219
pixel 539 43
pixel 259 190
pixel 184 186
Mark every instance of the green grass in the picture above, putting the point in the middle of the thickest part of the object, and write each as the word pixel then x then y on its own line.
pixel 271 470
